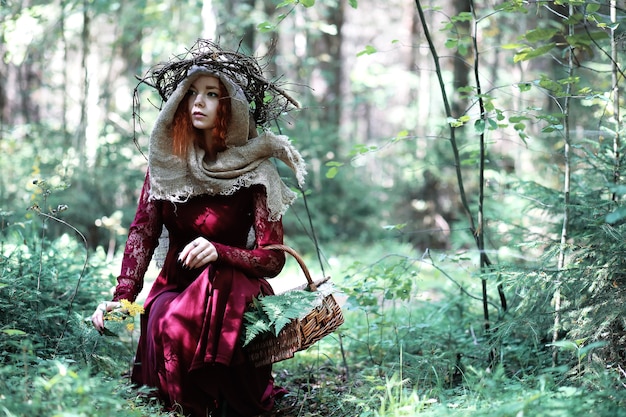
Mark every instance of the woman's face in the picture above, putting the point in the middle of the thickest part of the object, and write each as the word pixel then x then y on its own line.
pixel 203 98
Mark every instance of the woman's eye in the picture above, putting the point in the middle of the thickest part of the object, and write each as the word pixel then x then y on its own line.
pixel 213 95
pixel 191 93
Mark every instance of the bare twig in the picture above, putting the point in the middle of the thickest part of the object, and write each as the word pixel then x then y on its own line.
pixel 82 273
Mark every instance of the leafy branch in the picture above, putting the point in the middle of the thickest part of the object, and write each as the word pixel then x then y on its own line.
pixel 476 227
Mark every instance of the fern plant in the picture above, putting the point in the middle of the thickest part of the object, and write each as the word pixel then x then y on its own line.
pixel 270 314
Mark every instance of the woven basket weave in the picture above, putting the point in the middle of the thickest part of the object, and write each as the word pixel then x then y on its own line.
pixel 299 334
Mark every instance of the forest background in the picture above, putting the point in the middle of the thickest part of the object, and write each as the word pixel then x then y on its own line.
pixel 464 191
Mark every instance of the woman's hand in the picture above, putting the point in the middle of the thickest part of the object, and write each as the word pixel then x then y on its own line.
pixel 97 318
pixel 197 253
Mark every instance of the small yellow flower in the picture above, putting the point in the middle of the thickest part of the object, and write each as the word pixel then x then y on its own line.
pixel 131 308
pixel 127 311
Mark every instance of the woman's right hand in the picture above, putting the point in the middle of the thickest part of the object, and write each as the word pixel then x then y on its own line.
pixel 198 253
pixel 97 318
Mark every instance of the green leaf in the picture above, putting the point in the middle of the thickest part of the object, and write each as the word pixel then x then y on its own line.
pixel 14 332
pixel 542 34
pixel 592 7
pixel 280 323
pixel 358 149
pixel 587 38
pixel 458 122
pixel 266 27
pixel 479 126
pixel 307 3
pixel 513 46
pixel 369 50
pixel 585 349
pixel 333 169
pixel 463 17
pixel 564 344
pixel 551 85
pixel 353 3
pixel 514 6
pixel 530 53
pixel 255 326
pixel 466 89
pixel 451 43
pixel 552 128
pixel 403 134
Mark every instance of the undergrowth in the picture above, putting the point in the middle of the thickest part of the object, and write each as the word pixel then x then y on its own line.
pixel 413 342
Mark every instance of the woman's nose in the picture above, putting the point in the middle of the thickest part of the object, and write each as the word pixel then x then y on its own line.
pixel 198 100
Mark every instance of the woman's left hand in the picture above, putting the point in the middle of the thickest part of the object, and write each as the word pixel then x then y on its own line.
pixel 197 253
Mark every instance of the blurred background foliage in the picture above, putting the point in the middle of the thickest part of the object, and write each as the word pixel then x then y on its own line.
pixel 367 115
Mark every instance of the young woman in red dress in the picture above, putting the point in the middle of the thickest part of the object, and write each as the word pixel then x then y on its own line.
pixel 211 185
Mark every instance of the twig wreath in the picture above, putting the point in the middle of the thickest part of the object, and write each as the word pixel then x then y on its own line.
pixel 267 99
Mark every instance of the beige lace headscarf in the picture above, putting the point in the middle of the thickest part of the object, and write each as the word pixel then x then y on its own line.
pixel 245 162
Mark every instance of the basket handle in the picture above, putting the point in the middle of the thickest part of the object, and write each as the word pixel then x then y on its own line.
pixel 296 255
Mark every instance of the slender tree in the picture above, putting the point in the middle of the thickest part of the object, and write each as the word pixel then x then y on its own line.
pixel 563 248
pixel 64 78
pixel 615 78
pixel 81 132
pixel 462 54
pixel 477 227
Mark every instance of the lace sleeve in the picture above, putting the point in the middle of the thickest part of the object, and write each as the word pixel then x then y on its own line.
pixel 258 263
pixel 143 237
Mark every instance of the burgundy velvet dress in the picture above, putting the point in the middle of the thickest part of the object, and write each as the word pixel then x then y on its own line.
pixel 190 348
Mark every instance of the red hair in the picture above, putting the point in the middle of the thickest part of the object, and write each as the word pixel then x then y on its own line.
pixel 184 133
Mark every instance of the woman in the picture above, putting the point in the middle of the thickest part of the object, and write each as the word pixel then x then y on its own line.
pixel 211 184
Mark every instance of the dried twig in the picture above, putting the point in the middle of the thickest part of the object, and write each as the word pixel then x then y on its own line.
pixel 267 99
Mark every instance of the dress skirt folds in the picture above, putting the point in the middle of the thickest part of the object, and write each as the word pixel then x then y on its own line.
pixel 190 348
pixel 186 364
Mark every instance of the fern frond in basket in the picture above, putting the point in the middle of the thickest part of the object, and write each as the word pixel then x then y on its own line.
pixel 300 319
pixel 271 313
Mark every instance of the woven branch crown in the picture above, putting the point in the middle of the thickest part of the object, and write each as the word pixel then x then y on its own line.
pixel 267 99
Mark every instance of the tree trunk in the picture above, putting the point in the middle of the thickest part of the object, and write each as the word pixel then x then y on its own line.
pixel 326 47
pixel 566 198
pixel 462 57
pixel 64 78
pixel 81 132
pixel 3 80
pixel 617 145
pixel 234 28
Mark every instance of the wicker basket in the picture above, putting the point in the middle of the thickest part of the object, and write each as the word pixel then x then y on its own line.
pixel 299 334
